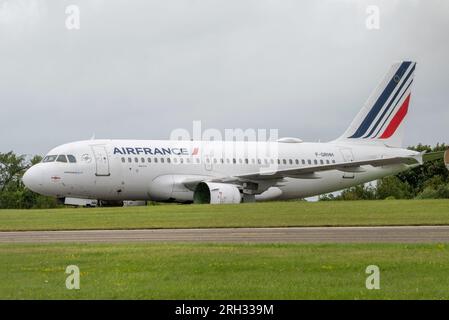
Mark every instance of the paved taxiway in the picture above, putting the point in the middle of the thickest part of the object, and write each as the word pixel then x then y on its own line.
pixel 400 234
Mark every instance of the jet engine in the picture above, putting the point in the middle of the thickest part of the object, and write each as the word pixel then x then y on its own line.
pixel 216 193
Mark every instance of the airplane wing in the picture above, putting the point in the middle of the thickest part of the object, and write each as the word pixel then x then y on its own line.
pixel 310 171
pixel 431 156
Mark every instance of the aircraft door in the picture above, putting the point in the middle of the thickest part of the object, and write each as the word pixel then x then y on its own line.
pixel 101 161
pixel 347 157
pixel 208 158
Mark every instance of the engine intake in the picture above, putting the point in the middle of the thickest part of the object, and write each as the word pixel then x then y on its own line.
pixel 216 193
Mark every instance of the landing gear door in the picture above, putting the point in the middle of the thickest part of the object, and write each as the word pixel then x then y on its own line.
pixel 347 157
pixel 101 161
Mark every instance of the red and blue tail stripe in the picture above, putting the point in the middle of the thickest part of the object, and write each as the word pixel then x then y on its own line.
pixel 393 109
pixel 380 115
pixel 388 110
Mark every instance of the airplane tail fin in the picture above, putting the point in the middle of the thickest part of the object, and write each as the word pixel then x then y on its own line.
pixel 382 117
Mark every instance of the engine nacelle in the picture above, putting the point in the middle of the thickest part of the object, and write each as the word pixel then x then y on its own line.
pixel 216 193
pixel 170 188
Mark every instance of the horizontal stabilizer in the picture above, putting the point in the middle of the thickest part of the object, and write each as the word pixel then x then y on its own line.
pixel 432 156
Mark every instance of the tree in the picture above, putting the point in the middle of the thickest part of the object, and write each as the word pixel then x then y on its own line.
pixel 393 187
pixel 12 168
pixel 430 175
pixel 360 192
pixel 13 193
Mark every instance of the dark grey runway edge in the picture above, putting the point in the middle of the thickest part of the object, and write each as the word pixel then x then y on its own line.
pixel 400 234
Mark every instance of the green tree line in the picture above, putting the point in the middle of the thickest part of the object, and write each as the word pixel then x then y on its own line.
pixel 13 193
pixel 429 181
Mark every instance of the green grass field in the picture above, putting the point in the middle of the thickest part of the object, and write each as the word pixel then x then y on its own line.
pixel 214 271
pixel 270 214
pixel 227 271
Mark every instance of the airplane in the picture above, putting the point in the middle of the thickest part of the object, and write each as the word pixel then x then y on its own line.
pixel 220 172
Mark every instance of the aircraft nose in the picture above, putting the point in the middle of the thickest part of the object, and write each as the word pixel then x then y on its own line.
pixel 32 179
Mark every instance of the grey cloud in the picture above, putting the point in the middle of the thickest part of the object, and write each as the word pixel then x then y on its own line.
pixel 138 69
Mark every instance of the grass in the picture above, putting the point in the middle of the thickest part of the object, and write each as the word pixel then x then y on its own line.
pixel 270 214
pixel 217 271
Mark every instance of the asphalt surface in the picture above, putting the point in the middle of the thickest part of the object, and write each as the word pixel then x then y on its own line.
pixel 400 234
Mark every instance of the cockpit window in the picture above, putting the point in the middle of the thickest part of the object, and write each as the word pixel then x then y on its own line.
pixel 49 158
pixel 61 158
pixel 71 158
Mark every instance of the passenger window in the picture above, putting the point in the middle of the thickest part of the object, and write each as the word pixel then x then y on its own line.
pixel 123 160
pixel 149 160
pixel 49 159
pixel 309 161
pixel 175 160
pixel 321 161
pixel 234 161
pixel 162 160
pixel 72 158
pixel 142 160
pixel 240 161
pixel 265 161
pixel 284 161
pixel 61 158
pixel 136 160
pixel 155 160
pixel 303 161
pixel 333 161
pixel 130 160
pixel 168 160
pixel 290 161
pixel 315 161
pixel 259 161
pixel 327 161
pixel 296 161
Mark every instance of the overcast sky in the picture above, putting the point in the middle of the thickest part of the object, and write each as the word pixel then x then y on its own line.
pixel 139 69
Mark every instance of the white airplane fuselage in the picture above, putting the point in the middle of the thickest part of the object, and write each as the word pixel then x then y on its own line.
pixel 233 172
pixel 159 169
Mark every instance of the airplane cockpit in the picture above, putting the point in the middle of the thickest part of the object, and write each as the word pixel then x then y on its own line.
pixel 59 158
pixel 53 174
pixel 69 170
